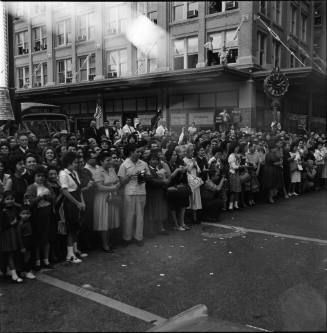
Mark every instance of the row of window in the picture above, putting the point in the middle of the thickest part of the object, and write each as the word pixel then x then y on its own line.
pixel 116 18
pixel 276 15
pixel 276 52
pixel 185 55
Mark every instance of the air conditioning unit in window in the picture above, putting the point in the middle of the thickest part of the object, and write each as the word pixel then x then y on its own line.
pixel 69 80
pixel 44 47
pixel 38 84
pixel 81 38
pixel 111 74
pixel 231 5
pixel 20 50
pixel 91 77
pixel 192 13
pixel 25 51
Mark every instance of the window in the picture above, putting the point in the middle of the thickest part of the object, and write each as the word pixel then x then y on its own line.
pixel 39 38
pixel 20 10
pixel 64 32
pixel 39 8
pixel 141 7
pixel 192 9
pixel 276 56
pixel 153 16
pixel 22 42
pixel 65 71
pixel 214 7
pixel 178 11
pixel 147 63
pixel 229 5
pixel 263 7
pixel 86 27
pixel 225 38
pixel 293 20
pixel 116 18
pixel 185 53
pixel 40 75
pixel 86 66
pixel 304 21
pixel 262 48
pixel 116 63
pixel 23 74
pixel 45 73
pixel 278 12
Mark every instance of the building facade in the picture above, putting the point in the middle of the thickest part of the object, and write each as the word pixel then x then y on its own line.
pixel 78 55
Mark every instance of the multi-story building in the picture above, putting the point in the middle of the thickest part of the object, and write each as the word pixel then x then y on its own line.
pixel 79 54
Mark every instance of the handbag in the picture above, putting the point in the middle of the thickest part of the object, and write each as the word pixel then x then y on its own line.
pixel 113 198
pixel 194 181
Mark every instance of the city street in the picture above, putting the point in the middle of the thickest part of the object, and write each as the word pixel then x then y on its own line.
pixel 269 273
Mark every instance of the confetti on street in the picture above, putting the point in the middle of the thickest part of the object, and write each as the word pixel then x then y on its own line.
pixel 169 257
pixel 230 252
pixel 123 265
pixel 158 285
pixel 181 246
pixel 296 243
pixel 162 274
pixel 210 273
pixel 205 240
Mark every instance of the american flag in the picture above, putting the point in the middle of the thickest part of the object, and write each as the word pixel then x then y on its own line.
pixel 98 112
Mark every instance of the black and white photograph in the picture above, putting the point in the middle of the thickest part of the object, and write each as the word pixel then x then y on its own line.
pixel 163 166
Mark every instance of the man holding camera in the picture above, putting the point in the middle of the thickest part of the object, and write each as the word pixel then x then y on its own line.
pixel 132 174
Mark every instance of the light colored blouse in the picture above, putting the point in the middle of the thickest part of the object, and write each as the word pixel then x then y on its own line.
pixel 66 181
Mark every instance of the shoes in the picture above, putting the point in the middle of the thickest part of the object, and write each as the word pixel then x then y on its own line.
pixel 30 275
pixel 108 250
pixel 295 194
pixel 180 228
pixel 73 260
pixel 16 279
pixel 139 242
pixel 187 227
pixel 80 254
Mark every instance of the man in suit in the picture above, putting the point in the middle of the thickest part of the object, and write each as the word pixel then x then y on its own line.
pixel 92 132
pixel 106 131
pixel 128 128
pixel 22 146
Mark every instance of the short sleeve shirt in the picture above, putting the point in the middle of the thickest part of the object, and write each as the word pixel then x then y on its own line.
pixel 128 167
pixel 66 181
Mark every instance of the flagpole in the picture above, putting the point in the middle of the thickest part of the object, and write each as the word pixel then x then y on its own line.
pixel 278 39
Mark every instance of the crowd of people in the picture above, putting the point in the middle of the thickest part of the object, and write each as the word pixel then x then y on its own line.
pixel 67 194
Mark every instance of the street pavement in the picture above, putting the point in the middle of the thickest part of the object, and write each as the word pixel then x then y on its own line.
pixel 276 281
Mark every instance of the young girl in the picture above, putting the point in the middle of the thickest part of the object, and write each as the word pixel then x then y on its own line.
pixel 9 237
pixel 295 169
pixel 234 177
pixel 26 240
pixel 41 198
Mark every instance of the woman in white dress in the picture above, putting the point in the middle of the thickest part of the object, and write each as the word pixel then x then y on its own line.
pixel 193 170
pixel 106 200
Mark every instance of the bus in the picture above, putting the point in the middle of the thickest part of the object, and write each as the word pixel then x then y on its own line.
pixel 43 119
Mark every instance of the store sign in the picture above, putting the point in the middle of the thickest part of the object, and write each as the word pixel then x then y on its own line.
pixel 201 118
pixel 178 119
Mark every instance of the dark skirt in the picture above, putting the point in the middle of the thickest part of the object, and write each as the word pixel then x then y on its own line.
pixel 9 241
pixel 41 225
pixel 272 177
pixel 235 183
pixel 72 213
pixel 178 196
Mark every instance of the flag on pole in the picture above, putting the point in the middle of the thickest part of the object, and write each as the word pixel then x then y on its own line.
pixel 98 116
pixel 238 28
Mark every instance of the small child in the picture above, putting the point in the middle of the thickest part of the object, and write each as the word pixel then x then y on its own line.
pixel 9 237
pixel 26 240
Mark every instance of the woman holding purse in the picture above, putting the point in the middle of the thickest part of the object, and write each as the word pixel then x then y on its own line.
pixel 193 170
pixel 106 215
